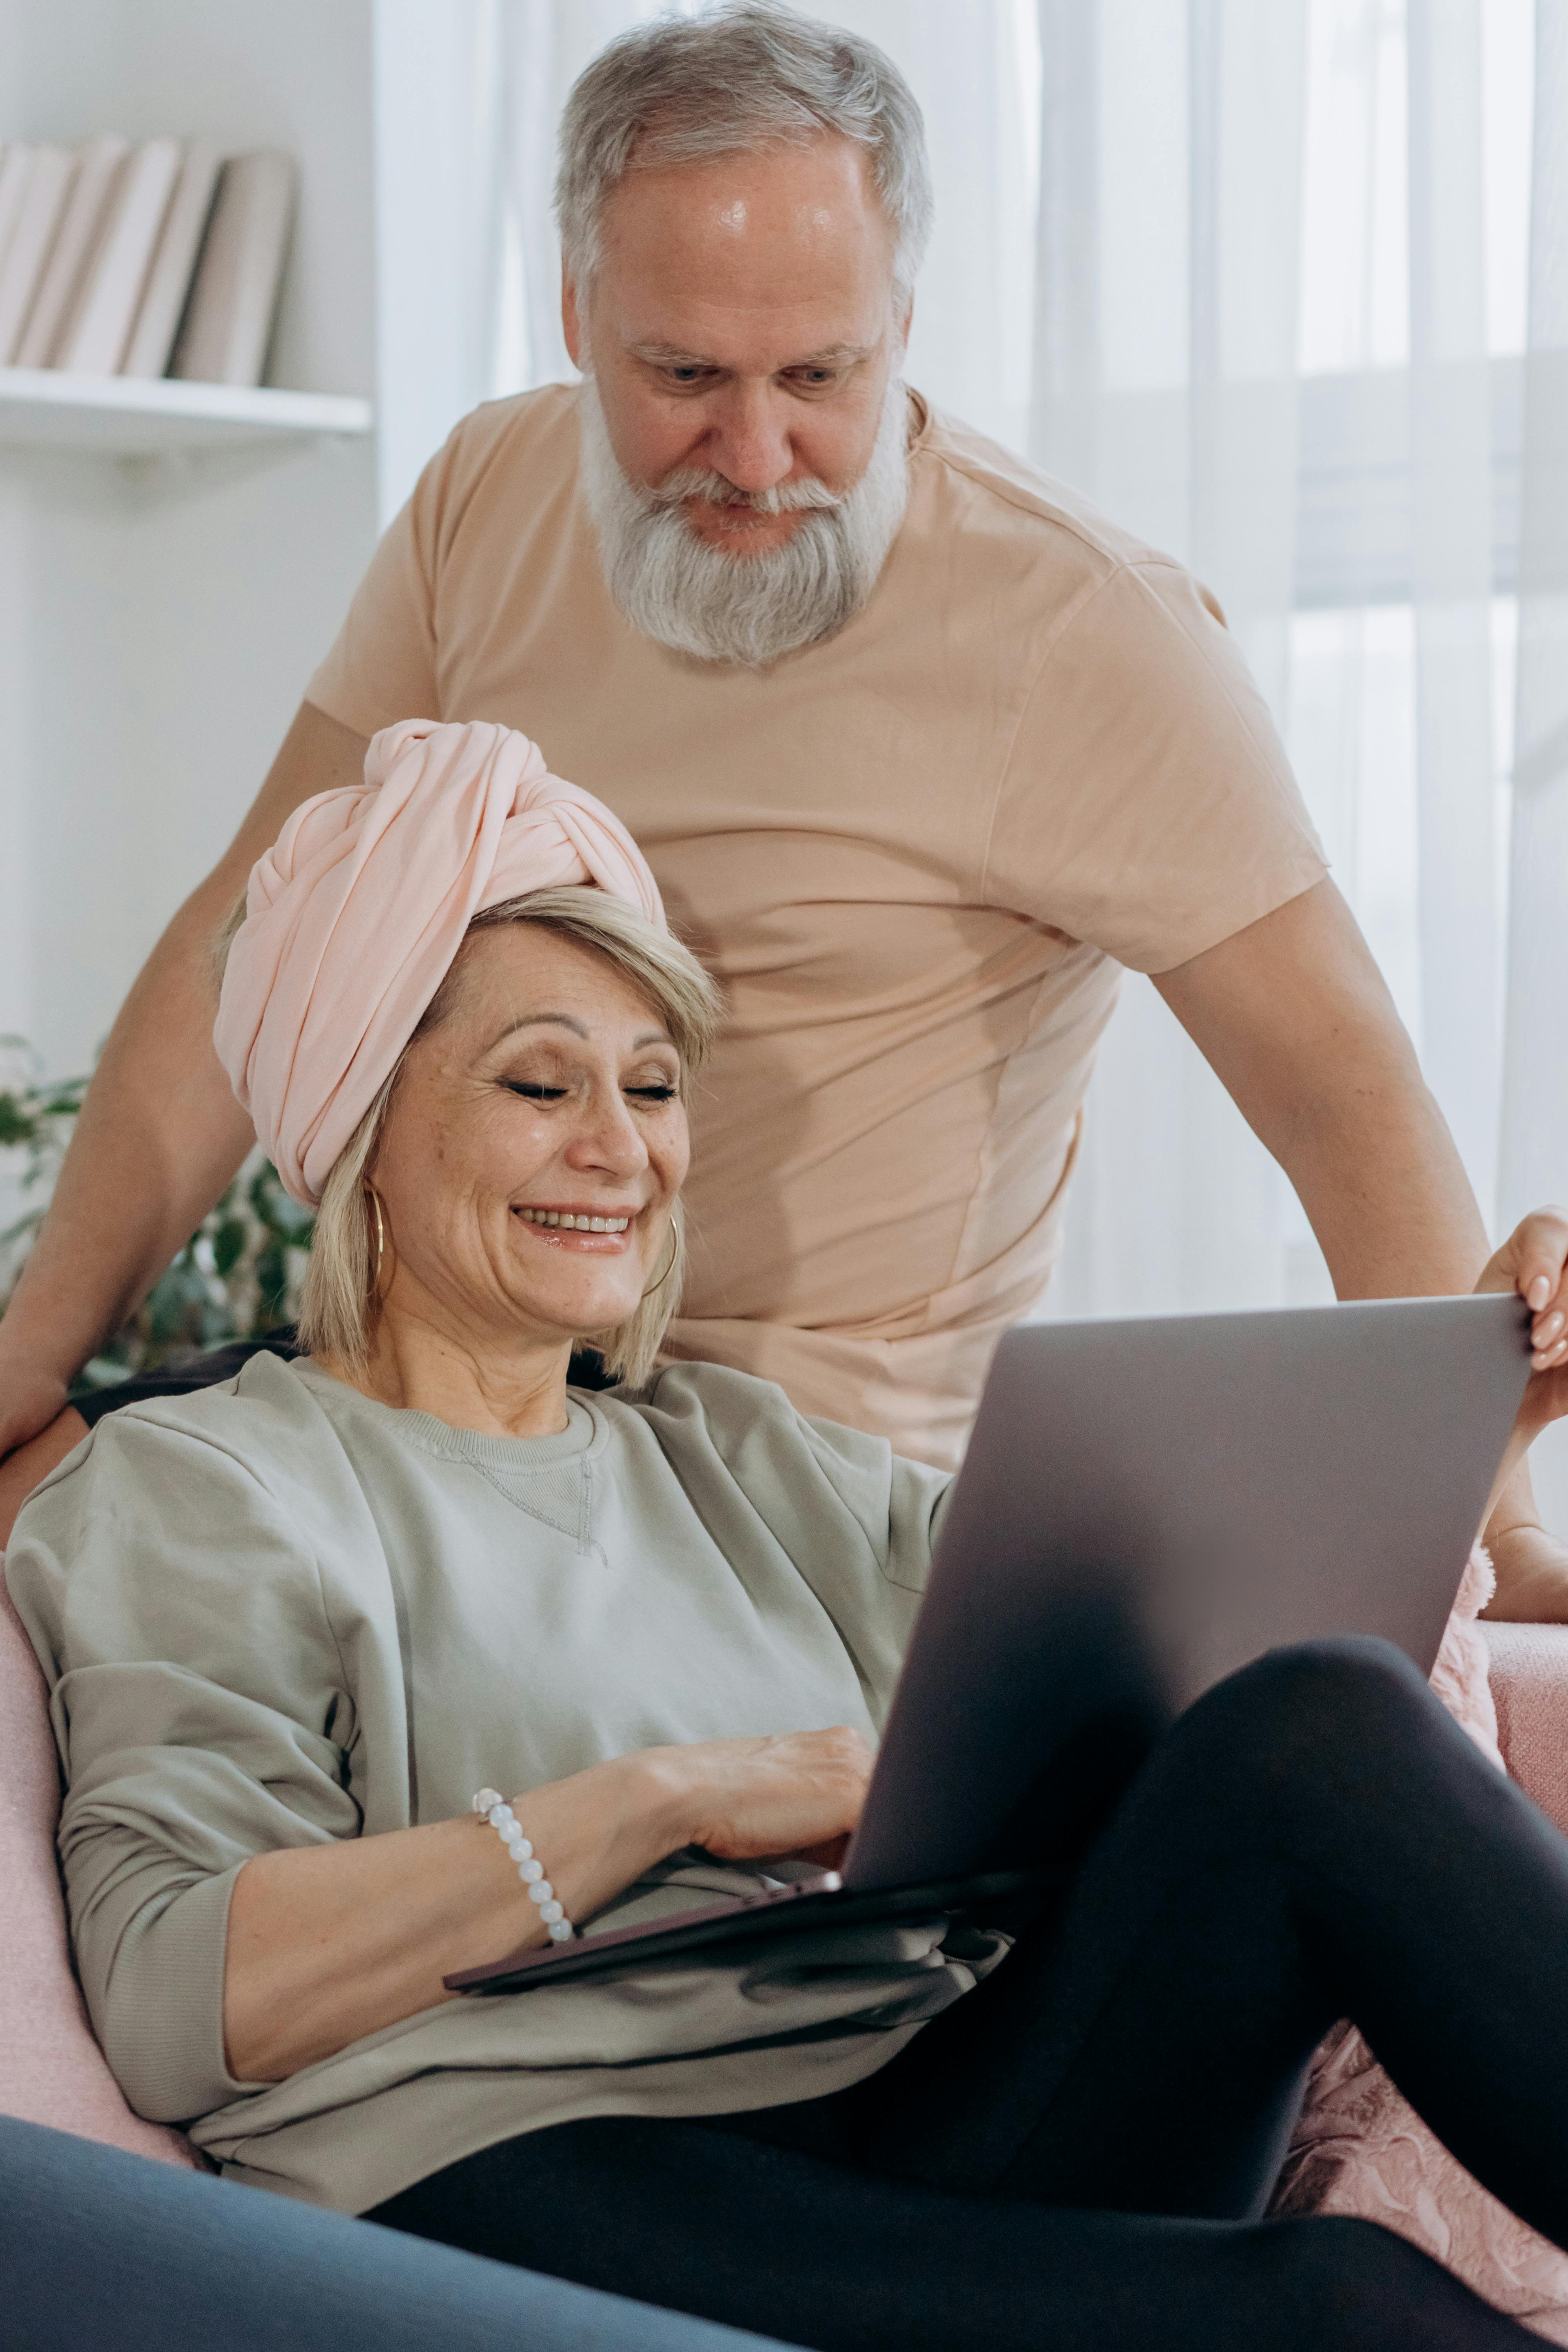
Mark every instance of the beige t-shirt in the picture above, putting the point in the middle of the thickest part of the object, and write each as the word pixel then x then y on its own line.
pixel 913 856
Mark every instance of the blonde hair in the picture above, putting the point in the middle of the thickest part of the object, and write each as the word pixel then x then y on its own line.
pixel 338 1308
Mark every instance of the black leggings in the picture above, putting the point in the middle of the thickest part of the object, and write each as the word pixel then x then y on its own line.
pixel 1074 2157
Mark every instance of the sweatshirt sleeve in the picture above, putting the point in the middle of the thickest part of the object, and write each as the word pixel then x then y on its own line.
pixel 201 1713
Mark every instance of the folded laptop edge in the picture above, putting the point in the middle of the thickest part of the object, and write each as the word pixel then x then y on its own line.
pixel 824 1901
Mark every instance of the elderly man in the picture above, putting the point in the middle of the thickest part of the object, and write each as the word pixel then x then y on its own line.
pixel 920 750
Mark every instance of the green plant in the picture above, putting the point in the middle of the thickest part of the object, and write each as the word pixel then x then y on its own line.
pixel 237 1277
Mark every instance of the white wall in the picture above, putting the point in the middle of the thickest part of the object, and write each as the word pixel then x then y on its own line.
pixel 157 624
pixel 438 104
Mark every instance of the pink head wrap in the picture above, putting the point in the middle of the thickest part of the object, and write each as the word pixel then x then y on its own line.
pixel 355 915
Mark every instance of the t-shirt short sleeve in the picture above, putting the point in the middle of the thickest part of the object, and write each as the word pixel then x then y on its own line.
pixel 1147 806
pixel 382 667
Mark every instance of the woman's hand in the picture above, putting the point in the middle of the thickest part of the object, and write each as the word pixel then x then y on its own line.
pixel 327 1943
pixel 1533 1262
pixel 796 1792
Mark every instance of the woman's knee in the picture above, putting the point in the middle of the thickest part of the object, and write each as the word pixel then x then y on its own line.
pixel 1336 1692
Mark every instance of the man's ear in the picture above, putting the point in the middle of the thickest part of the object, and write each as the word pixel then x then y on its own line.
pixel 570 321
pixel 904 324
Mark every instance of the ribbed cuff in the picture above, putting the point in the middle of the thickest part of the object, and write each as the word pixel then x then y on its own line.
pixel 164 2015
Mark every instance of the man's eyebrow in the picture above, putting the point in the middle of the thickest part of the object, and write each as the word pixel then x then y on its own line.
pixel 671 355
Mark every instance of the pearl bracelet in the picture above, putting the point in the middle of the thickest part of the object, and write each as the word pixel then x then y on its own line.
pixel 504 1822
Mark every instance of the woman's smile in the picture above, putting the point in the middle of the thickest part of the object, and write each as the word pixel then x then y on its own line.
pixel 598 1232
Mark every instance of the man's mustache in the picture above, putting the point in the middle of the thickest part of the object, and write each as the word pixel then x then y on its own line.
pixel 693 482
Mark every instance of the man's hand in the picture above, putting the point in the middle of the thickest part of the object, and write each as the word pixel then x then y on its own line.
pixel 31 1464
pixel 1533 1566
pixel 1295 1019
pixel 160 1133
pixel 30 1398
pixel 1532 1264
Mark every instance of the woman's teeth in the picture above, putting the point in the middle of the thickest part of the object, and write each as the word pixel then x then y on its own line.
pixel 569 1223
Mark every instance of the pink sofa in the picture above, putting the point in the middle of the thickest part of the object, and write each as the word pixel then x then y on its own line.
pixel 1530 1690
pixel 51 2069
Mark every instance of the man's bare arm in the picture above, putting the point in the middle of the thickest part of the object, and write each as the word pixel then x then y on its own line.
pixel 160 1133
pixel 1297 1021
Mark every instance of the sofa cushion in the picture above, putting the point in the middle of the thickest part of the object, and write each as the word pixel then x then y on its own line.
pixel 1530 1687
pixel 51 2069
pixel 97 2250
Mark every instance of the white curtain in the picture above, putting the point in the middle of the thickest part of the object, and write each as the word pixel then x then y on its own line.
pixel 1535 1114
pixel 1285 288
pixel 1165 384
pixel 1535 1093
pixel 1281 329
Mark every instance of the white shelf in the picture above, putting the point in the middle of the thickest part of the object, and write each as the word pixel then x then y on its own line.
pixel 130 416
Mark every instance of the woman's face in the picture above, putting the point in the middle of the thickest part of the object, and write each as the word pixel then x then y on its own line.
pixel 550 1092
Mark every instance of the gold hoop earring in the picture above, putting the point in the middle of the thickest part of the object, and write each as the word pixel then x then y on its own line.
pixel 669 1269
pixel 380 1238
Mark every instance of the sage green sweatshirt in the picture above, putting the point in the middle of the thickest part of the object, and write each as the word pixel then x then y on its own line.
pixel 276 1614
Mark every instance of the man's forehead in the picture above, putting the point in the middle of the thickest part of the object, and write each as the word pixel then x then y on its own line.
pixel 792 226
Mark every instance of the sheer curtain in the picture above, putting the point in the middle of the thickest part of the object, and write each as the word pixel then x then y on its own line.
pixel 1302 317
pixel 1285 289
pixel 1535 1095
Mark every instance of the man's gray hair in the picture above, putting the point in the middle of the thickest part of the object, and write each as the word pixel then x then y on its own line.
pixel 686 88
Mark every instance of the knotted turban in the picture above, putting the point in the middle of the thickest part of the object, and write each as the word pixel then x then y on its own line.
pixel 355 917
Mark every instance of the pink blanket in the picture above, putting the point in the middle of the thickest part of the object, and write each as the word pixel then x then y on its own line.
pixel 1359 2149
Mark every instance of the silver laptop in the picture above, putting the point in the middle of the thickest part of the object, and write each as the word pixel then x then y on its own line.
pixel 1144 1507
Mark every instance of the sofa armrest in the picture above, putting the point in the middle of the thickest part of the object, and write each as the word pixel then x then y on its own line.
pixel 1530 1689
pixel 102 2248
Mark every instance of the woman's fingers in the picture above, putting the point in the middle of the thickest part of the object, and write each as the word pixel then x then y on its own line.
pixel 782 1794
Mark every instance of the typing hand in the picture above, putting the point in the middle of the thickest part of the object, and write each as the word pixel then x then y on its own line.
pixel 793 1793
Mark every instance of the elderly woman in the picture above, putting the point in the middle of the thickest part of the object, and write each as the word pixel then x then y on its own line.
pixel 294 1623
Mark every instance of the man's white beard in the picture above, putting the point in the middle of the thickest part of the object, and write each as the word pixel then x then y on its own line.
pixel 677 588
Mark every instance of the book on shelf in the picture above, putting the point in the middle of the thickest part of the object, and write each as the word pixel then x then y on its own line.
pixel 228 324
pixel 174 262
pixel 164 258
pixel 98 167
pixel 93 339
pixel 48 174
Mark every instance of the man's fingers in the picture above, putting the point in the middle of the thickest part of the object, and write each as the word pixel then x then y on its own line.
pixel 1540 1252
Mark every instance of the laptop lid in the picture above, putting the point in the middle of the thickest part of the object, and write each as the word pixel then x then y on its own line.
pixel 1146 1506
